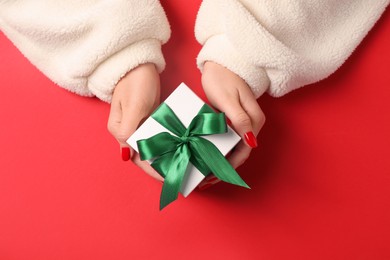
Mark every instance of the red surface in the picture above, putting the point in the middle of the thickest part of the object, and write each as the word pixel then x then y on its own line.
pixel 320 177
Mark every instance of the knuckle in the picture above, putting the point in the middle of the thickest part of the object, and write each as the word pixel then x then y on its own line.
pixel 242 119
pixel 111 128
pixel 121 136
pixel 259 120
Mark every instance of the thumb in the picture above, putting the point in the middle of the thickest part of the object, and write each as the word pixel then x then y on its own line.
pixel 122 122
pixel 132 116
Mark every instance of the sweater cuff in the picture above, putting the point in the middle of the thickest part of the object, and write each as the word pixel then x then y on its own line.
pixel 219 49
pixel 104 78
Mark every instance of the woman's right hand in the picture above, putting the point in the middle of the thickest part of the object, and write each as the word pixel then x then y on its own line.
pixel 135 97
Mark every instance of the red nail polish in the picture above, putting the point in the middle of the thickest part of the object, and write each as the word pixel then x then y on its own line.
pixel 251 139
pixel 207 185
pixel 125 153
pixel 212 179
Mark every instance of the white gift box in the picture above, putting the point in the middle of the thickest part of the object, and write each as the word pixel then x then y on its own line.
pixel 186 105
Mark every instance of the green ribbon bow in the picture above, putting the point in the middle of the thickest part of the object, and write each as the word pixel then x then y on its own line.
pixel 173 153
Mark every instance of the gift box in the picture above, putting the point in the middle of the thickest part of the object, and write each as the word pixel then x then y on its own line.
pixel 163 131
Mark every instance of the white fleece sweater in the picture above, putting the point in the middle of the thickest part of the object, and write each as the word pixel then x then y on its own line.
pixel 87 46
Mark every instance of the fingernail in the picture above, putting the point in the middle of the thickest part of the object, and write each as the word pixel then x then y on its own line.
pixel 250 139
pixel 125 151
pixel 212 179
pixel 207 185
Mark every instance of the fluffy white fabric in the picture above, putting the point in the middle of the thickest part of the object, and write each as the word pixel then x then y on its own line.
pixel 87 46
pixel 293 43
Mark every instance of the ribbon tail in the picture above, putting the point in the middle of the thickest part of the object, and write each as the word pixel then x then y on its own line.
pixel 162 163
pixel 217 163
pixel 175 175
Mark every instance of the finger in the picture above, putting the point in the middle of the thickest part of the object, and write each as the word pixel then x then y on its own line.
pixel 252 108
pixel 115 117
pixel 132 115
pixel 145 166
pixel 240 119
pixel 208 182
pixel 123 120
pixel 240 155
pixel 113 126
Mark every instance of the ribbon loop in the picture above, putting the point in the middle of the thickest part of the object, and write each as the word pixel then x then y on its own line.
pixel 167 118
pixel 157 145
pixel 208 124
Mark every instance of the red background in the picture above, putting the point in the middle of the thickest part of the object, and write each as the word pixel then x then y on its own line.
pixel 320 178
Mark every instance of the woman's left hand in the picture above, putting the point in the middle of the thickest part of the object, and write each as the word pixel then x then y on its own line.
pixel 227 92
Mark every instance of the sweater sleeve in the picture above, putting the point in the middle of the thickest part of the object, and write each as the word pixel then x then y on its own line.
pixel 87 46
pixel 279 46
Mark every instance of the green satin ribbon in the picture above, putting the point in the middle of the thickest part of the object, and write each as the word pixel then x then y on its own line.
pixel 173 153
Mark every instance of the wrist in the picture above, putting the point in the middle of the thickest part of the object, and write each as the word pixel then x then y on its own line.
pixel 139 75
pixel 220 50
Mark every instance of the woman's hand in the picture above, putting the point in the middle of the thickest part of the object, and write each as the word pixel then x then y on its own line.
pixel 135 97
pixel 230 94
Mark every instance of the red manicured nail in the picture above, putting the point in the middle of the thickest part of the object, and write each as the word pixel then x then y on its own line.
pixel 207 185
pixel 125 151
pixel 212 179
pixel 250 139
